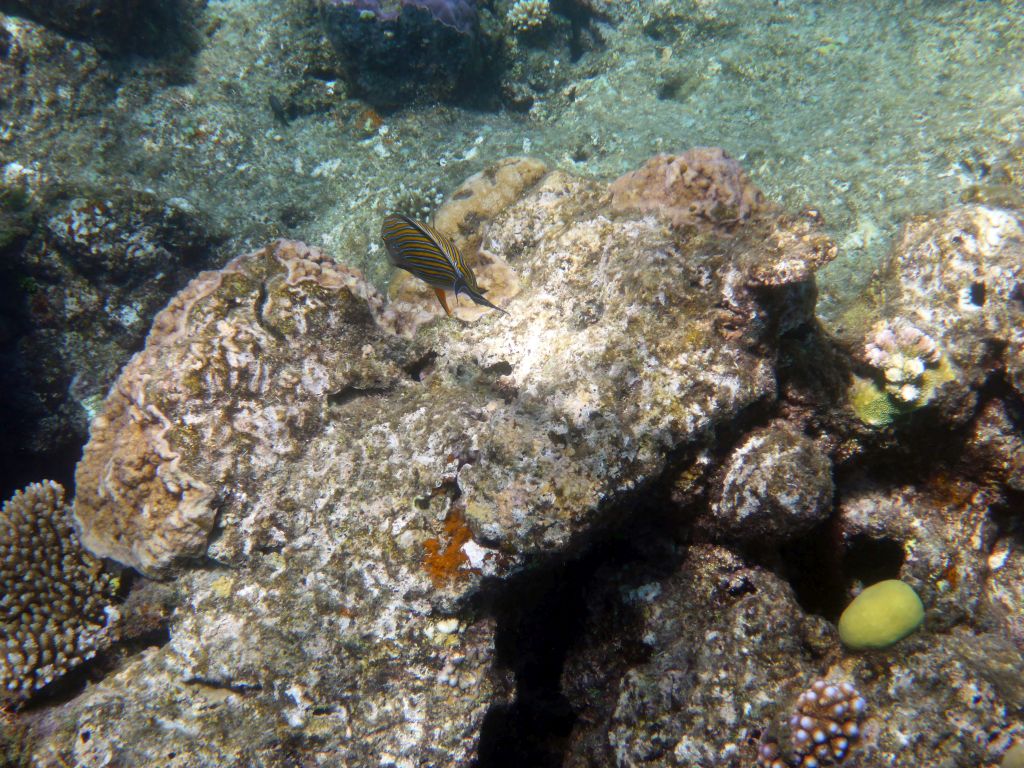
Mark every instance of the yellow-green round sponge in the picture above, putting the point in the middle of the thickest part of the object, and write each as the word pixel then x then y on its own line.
pixel 881 615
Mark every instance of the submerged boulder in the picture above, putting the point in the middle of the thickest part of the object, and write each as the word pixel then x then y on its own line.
pixel 350 475
pixel 943 317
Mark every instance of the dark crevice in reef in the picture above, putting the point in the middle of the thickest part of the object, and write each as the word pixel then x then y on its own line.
pixel 543 616
pixel 346 395
pixel 821 568
pixel 421 366
pixel 261 303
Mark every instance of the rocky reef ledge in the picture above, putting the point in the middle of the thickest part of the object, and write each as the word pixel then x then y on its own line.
pixel 362 511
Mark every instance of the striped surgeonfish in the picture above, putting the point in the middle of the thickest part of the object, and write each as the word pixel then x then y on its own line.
pixel 420 249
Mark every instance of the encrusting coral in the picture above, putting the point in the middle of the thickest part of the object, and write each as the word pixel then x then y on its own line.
pixel 823 726
pixel 55 595
pixel 703 185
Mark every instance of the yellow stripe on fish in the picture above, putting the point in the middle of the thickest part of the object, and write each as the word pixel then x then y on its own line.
pixel 424 252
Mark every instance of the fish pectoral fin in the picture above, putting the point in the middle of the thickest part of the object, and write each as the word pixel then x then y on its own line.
pixel 439 292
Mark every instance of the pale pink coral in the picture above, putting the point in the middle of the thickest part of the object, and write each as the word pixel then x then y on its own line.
pixel 902 353
pixel 701 186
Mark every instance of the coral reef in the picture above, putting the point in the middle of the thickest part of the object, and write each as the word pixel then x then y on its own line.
pixel 909 369
pixel 942 316
pixel 56 598
pixel 137 26
pixel 824 725
pixel 702 185
pixel 478 199
pixel 414 50
pixel 359 477
pixel 937 535
pixel 134 457
pixel 696 667
pixel 86 285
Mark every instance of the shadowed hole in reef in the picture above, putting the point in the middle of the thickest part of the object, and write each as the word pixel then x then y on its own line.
pixel 821 569
pixel 543 616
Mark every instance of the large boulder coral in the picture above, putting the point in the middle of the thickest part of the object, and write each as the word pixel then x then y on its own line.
pixel 358 488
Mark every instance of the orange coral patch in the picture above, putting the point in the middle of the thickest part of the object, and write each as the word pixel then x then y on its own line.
pixel 444 559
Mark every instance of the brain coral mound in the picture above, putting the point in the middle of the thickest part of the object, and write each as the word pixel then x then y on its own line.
pixel 233 374
pixel 362 483
pixel 703 185
pixel 55 596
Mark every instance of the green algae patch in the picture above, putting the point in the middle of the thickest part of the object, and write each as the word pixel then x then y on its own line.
pixel 881 615
pixel 1014 758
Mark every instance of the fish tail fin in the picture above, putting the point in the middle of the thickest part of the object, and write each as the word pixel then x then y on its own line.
pixel 479 299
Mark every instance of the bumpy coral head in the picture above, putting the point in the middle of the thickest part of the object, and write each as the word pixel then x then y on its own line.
pixel 823 727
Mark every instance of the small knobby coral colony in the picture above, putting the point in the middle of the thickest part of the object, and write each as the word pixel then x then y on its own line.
pixel 56 605
pixel 528 15
pixel 909 368
pixel 824 725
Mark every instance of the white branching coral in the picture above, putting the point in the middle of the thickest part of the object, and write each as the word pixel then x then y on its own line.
pixel 55 597
pixel 526 15
pixel 903 354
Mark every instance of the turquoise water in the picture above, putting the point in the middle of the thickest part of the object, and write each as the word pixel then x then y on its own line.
pixel 866 111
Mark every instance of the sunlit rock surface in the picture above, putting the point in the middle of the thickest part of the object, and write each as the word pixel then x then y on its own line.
pixel 357 478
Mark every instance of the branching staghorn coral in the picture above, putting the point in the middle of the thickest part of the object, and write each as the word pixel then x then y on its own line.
pixel 526 15
pixel 55 598
pixel 824 725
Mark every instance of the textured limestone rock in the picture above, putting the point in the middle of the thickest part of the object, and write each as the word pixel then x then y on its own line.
pixel 728 653
pixel 55 601
pixel 775 485
pixel 483 196
pixel 728 648
pixel 994 453
pixel 357 478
